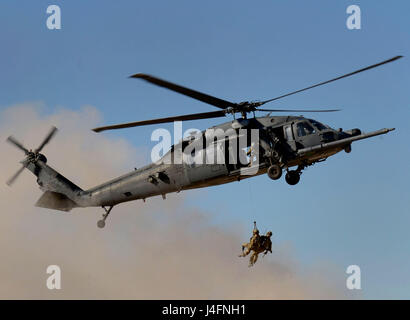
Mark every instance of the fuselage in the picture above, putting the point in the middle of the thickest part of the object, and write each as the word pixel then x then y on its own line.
pixel 229 152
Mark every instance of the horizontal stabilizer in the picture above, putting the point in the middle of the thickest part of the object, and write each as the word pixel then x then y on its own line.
pixel 56 201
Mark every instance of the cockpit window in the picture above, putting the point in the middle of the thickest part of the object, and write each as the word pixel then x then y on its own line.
pixel 288 133
pixel 304 128
pixel 318 125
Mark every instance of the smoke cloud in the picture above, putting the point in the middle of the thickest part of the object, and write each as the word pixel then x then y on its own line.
pixel 154 250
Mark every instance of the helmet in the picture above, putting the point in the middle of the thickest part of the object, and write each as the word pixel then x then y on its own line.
pixel 269 234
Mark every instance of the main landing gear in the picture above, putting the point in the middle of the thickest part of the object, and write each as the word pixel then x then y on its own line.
pixel 274 172
pixel 292 177
pixel 101 223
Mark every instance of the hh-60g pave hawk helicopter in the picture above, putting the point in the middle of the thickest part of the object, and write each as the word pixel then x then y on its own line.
pixel 284 142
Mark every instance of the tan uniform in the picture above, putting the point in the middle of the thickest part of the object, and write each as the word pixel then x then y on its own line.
pixel 264 244
pixel 253 243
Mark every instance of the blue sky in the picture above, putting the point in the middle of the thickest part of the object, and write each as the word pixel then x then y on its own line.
pixel 352 209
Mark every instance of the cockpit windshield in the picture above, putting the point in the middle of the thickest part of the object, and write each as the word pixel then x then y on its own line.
pixel 304 128
pixel 318 125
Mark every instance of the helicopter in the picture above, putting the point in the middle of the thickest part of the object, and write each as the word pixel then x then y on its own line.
pixel 283 144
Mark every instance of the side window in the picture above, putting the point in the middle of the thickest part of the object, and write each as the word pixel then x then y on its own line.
pixel 303 129
pixel 288 133
pixel 300 129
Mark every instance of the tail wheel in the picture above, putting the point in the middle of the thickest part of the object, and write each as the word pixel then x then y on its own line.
pixel 292 177
pixel 274 172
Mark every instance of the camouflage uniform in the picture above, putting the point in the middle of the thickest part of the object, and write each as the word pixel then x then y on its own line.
pixel 252 154
pixel 268 246
pixel 264 243
pixel 253 242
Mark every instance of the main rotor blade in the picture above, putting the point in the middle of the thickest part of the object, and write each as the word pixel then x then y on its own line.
pixel 299 110
pixel 47 139
pixel 220 103
pixel 195 116
pixel 334 79
pixel 16 143
pixel 15 176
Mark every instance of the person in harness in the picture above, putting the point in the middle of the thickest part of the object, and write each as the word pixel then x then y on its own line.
pixel 257 244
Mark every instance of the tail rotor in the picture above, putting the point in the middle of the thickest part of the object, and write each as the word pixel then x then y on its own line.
pixel 15 176
pixel 47 139
pixel 16 143
pixel 31 156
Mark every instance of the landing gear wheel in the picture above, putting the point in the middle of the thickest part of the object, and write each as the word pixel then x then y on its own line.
pixel 274 172
pixel 101 223
pixel 292 177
